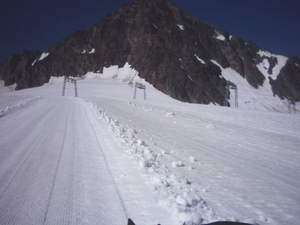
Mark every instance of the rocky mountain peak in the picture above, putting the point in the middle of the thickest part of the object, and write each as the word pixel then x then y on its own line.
pixel 172 49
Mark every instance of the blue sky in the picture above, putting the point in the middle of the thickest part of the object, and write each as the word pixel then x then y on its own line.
pixel 37 25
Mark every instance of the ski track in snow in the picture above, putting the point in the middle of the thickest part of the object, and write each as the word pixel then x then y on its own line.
pixel 177 184
pixel 55 173
pixel 186 203
pixel 110 157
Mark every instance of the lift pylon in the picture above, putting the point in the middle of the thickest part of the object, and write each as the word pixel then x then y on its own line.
pixel 139 86
pixel 71 80
pixel 230 85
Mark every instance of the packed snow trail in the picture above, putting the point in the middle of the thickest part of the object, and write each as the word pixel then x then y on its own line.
pixel 53 169
pixel 252 173
pixel 169 161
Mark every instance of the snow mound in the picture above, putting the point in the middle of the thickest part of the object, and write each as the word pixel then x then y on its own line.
pixel 6 109
pixel 123 74
pixel 192 159
pixel 210 125
pixel 170 114
pixel 177 164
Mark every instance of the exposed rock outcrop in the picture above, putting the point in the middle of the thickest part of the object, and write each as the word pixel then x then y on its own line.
pixel 170 48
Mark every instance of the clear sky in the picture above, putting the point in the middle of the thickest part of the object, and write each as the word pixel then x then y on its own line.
pixel 38 24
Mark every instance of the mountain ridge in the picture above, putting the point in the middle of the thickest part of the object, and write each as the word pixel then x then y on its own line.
pixel 169 47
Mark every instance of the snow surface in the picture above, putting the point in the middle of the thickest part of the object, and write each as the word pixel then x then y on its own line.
pixel 105 156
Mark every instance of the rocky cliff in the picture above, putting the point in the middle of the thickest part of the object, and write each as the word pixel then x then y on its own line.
pixel 170 48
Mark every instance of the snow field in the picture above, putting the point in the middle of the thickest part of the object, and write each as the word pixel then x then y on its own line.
pixel 179 194
pixel 173 161
pixel 139 203
pixel 260 99
pixel 9 103
pixel 54 171
pixel 179 136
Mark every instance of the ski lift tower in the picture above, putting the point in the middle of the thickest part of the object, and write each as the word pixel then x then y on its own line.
pixel 230 85
pixel 71 80
pixel 139 86
pixel 291 105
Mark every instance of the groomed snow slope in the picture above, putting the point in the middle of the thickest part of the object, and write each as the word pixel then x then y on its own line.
pixel 104 156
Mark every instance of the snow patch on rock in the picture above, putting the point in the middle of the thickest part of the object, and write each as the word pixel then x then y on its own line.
pixel 180 26
pixel 43 56
pixel 264 65
pixel 200 60
pixel 219 36
pixel 90 52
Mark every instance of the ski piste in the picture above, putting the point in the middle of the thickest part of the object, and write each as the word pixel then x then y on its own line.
pixel 104 157
pixel 130 222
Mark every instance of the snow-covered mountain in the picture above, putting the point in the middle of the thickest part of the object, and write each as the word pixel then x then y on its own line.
pixel 176 52
pixel 105 156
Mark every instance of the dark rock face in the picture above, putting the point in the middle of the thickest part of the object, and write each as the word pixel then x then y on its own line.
pixel 287 83
pixel 170 48
pixel 17 69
